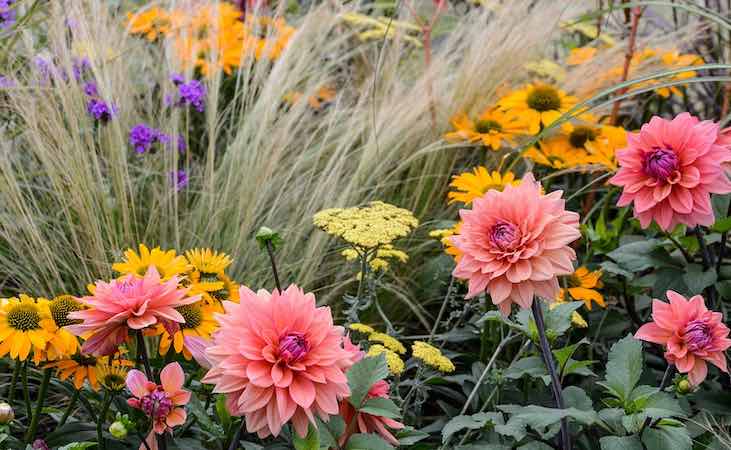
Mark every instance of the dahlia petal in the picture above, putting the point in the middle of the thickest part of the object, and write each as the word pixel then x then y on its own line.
pixel 662 314
pixel 286 405
pixel 686 364
pixel 718 359
pixel 681 200
pixel 254 398
pixel 698 373
pixel 137 383
pixel 172 377
pixel 301 423
pixel 302 391
pixel 176 417
pixel 273 420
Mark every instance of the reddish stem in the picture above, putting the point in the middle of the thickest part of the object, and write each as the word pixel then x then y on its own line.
pixel 631 45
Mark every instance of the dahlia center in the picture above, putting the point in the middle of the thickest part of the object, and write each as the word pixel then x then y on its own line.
pixel 697 335
pixel 156 405
pixel 544 98
pixel 580 135
pixel 486 126
pixel 661 164
pixel 293 347
pixel 61 307
pixel 24 318
pixel 192 314
pixel 504 235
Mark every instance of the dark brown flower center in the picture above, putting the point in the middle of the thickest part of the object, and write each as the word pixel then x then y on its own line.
pixel 580 135
pixel 486 126
pixel 24 317
pixel 192 314
pixel 61 307
pixel 544 98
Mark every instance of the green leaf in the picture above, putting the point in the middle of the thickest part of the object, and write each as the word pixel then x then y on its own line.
pixel 558 318
pixel 563 354
pixel 473 422
pixel 410 436
pixel 330 431
pixel 222 412
pixel 620 443
pixel 624 367
pixel 722 225
pixel 533 366
pixel 539 418
pixel 367 442
pixel 204 419
pixel 697 280
pixel 667 438
pixel 309 442
pixel 363 375
pixel 638 256
pixel 661 405
pixel 379 406
pixel 535 445
pixel 78 446
pixel 575 397
pixel 724 288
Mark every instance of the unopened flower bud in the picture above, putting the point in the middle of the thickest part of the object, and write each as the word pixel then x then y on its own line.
pixel 6 413
pixel 118 430
pixel 683 386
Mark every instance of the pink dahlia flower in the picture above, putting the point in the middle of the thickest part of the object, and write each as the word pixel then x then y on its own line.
pixel 514 243
pixel 369 423
pixel 670 169
pixel 692 335
pixel 128 303
pixel 279 358
pixel 164 403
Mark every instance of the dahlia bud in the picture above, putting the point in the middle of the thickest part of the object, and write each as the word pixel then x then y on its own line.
pixel 118 430
pixel 6 413
pixel 266 234
pixel 683 386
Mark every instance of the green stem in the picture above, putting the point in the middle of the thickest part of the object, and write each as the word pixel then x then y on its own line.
pixel 69 409
pixel 26 392
pixel 102 417
pixel 14 381
pixel 42 391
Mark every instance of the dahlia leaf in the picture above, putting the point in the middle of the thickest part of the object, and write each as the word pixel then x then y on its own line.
pixel 367 442
pixel 204 419
pixel 667 438
pixel 620 443
pixel 379 406
pixel 473 422
pixel 309 442
pixel 697 280
pixel 624 367
pixel 363 375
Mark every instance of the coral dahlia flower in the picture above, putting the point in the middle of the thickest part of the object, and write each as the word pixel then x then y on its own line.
pixel 670 169
pixel 164 403
pixel 692 335
pixel 128 303
pixel 514 243
pixel 279 358
pixel 369 423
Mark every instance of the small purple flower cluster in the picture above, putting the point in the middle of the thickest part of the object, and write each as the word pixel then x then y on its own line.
pixel 100 110
pixel 191 93
pixel 179 179
pixel 143 137
pixel 7 14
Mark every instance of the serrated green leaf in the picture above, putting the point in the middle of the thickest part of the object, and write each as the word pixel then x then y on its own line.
pixel 330 431
pixel 533 366
pixel 624 367
pixel 667 438
pixel 563 354
pixel 410 436
pixel 363 375
pixel 636 256
pixel 558 318
pixel 540 419
pixel 697 280
pixel 620 443
pixel 204 420
pixel 535 445
pixel 309 442
pixel 78 446
pixel 575 397
pixel 367 442
pixel 473 422
pixel 379 406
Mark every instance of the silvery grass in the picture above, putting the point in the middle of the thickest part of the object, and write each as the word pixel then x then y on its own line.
pixel 73 196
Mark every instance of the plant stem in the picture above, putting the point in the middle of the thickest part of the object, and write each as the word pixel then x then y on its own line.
pixel 708 263
pixel 237 436
pixel 142 350
pixel 270 251
pixel 363 275
pixel 663 382
pixel 441 310
pixel 551 366
pixel 26 392
pixel 102 417
pixel 679 246
pixel 39 406
pixel 69 408
pixel 14 381
pixel 636 13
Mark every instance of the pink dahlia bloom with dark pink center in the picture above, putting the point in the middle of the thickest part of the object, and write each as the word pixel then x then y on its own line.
pixel 515 243
pixel 128 303
pixel 163 403
pixel 692 335
pixel 369 423
pixel 670 169
pixel 279 358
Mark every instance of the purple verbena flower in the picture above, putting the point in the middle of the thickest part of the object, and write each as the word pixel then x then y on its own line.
pixel 6 82
pixel 179 179
pixel 90 89
pixel 100 110
pixel 192 93
pixel 142 137
pixel 7 14
pixel 79 66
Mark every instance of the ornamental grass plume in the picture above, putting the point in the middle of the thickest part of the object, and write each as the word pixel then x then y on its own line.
pixel 370 423
pixel 278 358
pixel 163 403
pixel 670 169
pixel 691 334
pixel 129 303
pixel 514 244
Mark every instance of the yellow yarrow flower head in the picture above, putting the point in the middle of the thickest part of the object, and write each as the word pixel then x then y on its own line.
pixel 167 262
pixel 395 364
pixel 471 185
pixel 389 342
pixel 378 261
pixel 367 227
pixel 432 357
pixel 361 328
pixel 25 325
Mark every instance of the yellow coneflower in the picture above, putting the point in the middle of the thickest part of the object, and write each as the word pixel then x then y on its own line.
pixel 63 343
pixel 112 376
pixel 167 262
pixel 432 357
pixel 581 55
pixel 25 325
pixel 471 185
pixel 389 342
pixel 538 104
pixel 199 322
pixel 582 285
pixel 81 368
pixel 492 128
pixel 395 364
pixel 445 237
